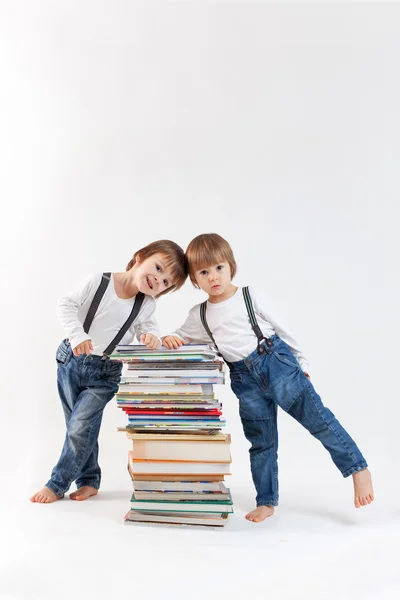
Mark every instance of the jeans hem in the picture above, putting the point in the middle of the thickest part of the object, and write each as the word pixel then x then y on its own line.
pixel 90 483
pixel 355 469
pixel 267 503
pixel 54 489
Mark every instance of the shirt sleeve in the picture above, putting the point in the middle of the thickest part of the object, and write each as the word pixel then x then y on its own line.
pixel 146 321
pixel 69 305
pixel 192 331
pixel 281 332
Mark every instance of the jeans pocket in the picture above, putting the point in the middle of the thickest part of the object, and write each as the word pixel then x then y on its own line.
pixel 112 370
pixel 235 377
pixel 236 383
pixel 283 359
pixel 64 353
pixel 283 353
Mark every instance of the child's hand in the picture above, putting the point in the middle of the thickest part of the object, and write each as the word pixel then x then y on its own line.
pixel 83 348
pixel 150 340
pixel 172 342
pixel 307 375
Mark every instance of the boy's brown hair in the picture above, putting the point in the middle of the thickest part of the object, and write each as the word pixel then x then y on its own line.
pixel 174 258
pixel 206 250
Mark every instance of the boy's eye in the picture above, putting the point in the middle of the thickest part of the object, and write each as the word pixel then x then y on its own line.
pixel 203 272
pixel 165 283
pixel 219 268
pixel 158 268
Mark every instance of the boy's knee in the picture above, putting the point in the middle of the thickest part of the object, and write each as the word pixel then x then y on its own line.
pixel 260 433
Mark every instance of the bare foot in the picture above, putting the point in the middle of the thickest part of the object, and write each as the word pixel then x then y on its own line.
pixel 45 496
pixel 84 493
pixel 260 513
pixel 363 490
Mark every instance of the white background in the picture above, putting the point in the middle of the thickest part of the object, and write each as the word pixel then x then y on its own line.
pixel 276 126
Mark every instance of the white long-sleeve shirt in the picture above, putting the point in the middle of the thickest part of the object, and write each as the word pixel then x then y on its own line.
pixel 110 315
pixel 231 328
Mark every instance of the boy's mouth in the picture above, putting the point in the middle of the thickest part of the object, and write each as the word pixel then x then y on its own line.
pixel 149 282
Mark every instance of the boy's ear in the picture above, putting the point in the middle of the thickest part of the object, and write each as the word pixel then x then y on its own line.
pixel 138 259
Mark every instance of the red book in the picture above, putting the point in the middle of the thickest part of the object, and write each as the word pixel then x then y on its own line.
pixel 172 412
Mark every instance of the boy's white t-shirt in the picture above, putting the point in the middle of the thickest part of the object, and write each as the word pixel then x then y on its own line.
pixel 110 315
pixel 231 328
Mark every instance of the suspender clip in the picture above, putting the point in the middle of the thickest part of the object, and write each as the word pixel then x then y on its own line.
pixel 261 349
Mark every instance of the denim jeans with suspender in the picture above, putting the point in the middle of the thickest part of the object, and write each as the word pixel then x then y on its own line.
pixel 270 377
pixel 86 383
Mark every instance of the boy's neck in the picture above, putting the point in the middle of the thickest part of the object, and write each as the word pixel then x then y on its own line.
pixel 228 293
pixel 125 286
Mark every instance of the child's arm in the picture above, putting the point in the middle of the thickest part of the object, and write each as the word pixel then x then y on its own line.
pixel 191 332
pixel 283 334
pixel 67 310
pixel 145 327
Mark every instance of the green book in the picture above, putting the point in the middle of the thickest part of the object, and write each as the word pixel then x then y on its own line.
pixel 183 505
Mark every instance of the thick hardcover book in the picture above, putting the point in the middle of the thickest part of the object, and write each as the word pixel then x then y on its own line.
pixel 170 496
pixel 176 518
pixel 189 450
pixel 219 506
pixel 221 437
pixel 178 486
pixel 178 467
pixel 168 478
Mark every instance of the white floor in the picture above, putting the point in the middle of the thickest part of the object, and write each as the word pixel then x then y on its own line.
pixel 316 547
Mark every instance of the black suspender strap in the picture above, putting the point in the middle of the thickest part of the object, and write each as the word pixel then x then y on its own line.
pixel 253 321
pixel 105 280
pixel 203 310
pixel 134 313
pixel 252 316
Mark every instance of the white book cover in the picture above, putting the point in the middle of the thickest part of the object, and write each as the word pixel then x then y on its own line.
pixel 165 389
pixel 178 467
pixel 209 450
pixel 180 486
pixel 175 373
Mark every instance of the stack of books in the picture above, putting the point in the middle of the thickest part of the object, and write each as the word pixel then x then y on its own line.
pixel 179 457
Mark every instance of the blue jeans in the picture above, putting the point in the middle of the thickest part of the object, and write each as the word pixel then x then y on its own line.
pixel 262 382
pixel 85 385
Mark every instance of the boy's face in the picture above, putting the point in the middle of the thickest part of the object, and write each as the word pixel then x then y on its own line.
pixel 153 275
pixel 214 280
